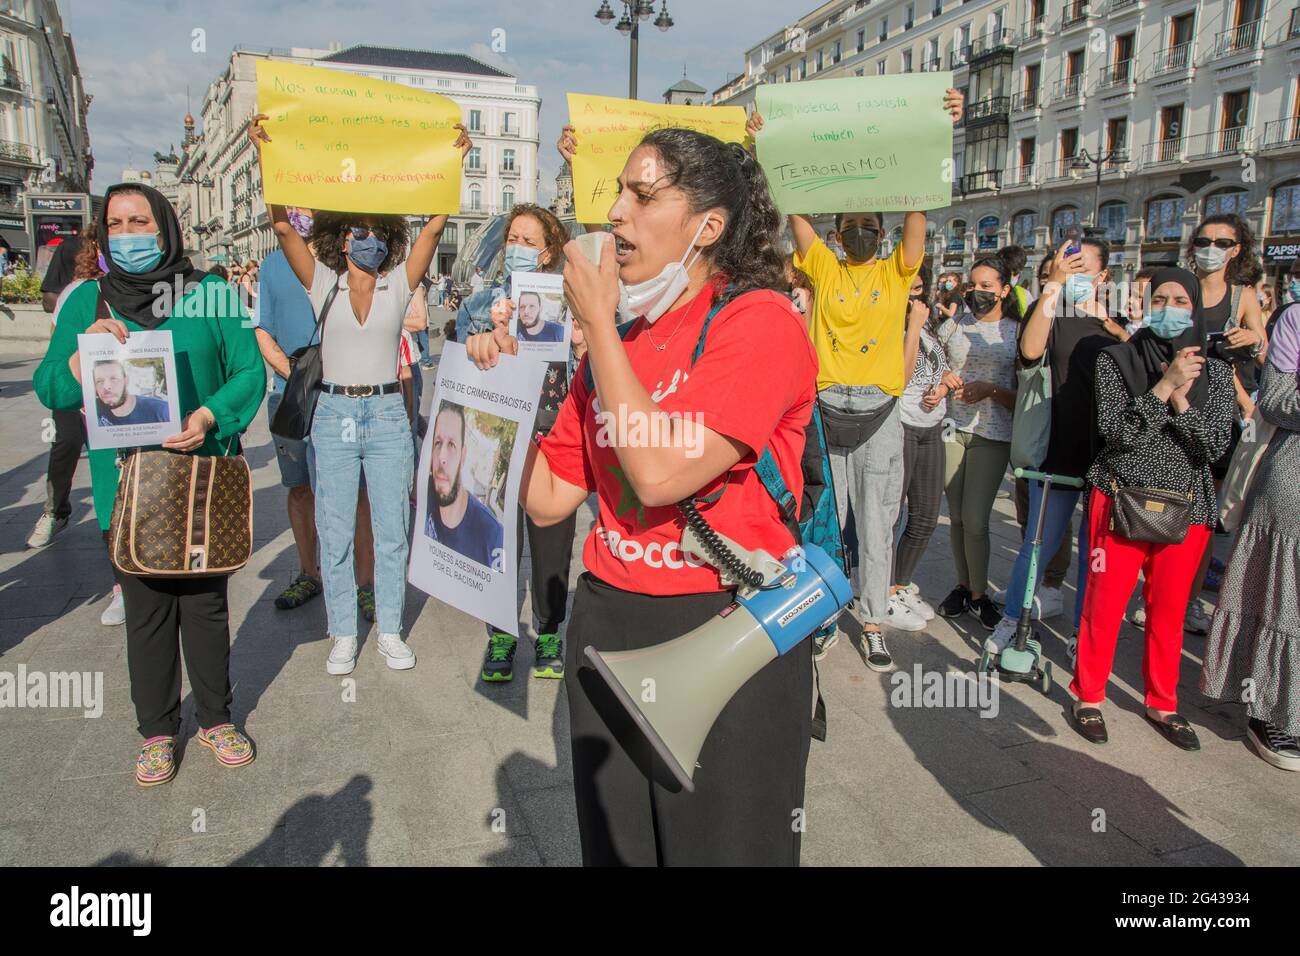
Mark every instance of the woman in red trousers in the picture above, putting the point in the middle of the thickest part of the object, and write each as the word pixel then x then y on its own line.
pixel 1164 413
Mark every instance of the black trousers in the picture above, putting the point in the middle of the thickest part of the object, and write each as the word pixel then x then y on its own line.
pixel 747 808
pixel 551 549
pixel 923 492
pixel 165 617
pixel 69 437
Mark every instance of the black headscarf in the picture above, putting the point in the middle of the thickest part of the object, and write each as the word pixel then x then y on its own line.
pixel 132 294
pixel 1141 358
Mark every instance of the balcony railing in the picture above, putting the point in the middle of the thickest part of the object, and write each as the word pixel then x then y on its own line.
pixel 932 65
pixel 1117 161
pixel 510 172
pixel 511 132
pixel 992 42
pixel 19 151
pixel 1026 175
pixel 475 171
pixel 992 106
pixel 958 57
pixel 14 82
pixel 1069 88
pixel 1171 60
pixel 1239 39
pixel 1117 74
pixel 1117 5
pixel 1033 30
pixel 1220 142
pixel 1163 151
pixel 981 182
pixel 1026 100
pixel 1282 132
pixel 1293 28
pixel 1074 13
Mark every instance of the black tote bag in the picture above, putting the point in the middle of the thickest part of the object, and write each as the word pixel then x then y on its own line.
pixel 302 388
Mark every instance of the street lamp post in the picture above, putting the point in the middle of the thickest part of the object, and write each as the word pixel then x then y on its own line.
pixel 634 11
pixel 1083 160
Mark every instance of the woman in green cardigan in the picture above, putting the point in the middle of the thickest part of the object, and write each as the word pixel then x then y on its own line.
pixel 150 284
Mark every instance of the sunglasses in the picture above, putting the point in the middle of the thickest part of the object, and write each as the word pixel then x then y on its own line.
pixel 1204 242
pixel 361 232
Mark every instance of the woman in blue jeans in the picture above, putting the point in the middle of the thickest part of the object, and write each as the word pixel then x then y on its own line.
pixel 361 422
pixel 1067 327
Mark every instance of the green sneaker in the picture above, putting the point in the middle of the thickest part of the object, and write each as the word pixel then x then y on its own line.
pixel 550 656
pixel 366 602
pixel 302 590
pixel 498 665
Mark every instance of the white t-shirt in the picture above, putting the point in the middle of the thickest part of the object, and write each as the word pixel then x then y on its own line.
pixel 356 354
pixel 985 352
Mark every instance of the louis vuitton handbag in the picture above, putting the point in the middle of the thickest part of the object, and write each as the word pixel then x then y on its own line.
pixel 181 516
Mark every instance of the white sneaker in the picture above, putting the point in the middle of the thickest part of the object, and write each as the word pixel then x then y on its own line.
pixel 912 595
pixel 1050 602
pixel 115 614
pixel 900 616
pixel 1002 636
pixel 47 526
pixel 1000 596
pixel 1072 647
pixel 1195 621
pixel 343 656
pixel 399 656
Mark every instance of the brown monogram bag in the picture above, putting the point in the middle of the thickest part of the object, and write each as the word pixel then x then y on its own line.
pixel 182 515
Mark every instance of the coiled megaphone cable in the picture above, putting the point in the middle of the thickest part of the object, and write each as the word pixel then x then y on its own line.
pixel 723 556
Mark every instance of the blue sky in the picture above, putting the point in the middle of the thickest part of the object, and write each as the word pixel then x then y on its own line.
pixel 137 59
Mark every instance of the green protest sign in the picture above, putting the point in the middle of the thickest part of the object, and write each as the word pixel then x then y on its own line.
pixel 859 144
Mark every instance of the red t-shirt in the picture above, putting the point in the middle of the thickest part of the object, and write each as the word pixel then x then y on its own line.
pixel 755 383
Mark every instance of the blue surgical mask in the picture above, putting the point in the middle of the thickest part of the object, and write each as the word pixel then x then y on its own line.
pixel 521 259
pixel 1169 321
pixel 1293 287
pixel 135 252
pixel 1079 287
pixel 368 253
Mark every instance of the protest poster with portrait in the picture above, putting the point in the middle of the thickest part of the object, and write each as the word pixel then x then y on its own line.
pixel 467 484
pixel 129 389
pixel 541 320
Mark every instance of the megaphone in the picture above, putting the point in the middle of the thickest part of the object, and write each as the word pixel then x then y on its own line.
pixel 674 691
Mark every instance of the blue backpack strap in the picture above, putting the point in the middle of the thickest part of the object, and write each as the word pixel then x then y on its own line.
pixel 623 331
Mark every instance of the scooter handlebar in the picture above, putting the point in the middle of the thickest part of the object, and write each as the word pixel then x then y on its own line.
pixel 1044 476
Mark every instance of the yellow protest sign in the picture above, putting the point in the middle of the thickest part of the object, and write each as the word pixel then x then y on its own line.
pixel 608 129
pixel 346 142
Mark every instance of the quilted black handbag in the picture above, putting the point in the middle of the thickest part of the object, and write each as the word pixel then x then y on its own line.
pixel 1156 515
pixel 297 408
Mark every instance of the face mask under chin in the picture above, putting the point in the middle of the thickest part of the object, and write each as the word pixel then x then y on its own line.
pixel 653 297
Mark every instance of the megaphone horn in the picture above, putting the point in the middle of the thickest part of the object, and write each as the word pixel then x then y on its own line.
pixel 675 691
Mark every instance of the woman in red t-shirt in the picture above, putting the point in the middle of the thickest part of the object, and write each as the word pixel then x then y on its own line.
pixel 694 225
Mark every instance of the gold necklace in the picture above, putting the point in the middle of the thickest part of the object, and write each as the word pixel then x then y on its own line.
pixel 660 348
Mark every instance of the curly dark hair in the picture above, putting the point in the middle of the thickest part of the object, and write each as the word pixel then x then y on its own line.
pixel 329 229
pixel 714 174
pixel 1243 265
pixel 86 263
pixel 999 264
pixel 553 232
pixel 926 275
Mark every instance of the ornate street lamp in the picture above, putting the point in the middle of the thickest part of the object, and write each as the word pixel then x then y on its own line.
pixel 634 11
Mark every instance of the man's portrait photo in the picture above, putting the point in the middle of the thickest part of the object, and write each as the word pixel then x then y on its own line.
pixel 467 471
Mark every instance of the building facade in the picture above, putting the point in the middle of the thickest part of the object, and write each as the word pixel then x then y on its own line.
pixel 1133 117
pixel 220 202
pixel 44 140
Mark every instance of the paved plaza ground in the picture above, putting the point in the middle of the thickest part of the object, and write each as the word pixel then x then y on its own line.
pixel 432 766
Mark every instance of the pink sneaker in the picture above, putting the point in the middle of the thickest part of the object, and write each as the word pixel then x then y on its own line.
pixel 157 761
pixel 232 748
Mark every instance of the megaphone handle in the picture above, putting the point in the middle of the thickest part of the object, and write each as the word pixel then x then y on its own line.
pixel 723 555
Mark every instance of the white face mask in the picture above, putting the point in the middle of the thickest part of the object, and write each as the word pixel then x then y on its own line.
pixel 1211 258
pixel 652 298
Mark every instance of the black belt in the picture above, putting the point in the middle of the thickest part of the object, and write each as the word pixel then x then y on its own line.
pixel 361 391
